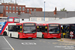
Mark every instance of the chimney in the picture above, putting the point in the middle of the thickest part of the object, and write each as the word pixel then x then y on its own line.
pixel 19 12
pixel 55 11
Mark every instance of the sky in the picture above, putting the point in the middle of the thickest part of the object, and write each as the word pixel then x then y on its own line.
pixel 50 5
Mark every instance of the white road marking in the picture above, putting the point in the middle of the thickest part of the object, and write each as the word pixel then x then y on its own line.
pixel 8 43
pixel 28 43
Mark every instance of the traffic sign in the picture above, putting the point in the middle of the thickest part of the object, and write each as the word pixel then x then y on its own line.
pixel 71 33
pixel 71 36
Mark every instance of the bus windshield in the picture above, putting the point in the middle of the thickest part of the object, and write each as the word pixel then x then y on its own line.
pixel 54 28
pixel 29 28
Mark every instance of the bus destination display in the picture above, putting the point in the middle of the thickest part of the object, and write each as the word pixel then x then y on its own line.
pixel 28 24
pixel 53 25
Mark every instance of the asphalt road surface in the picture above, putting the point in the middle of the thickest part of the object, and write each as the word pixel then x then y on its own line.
pixel 7 43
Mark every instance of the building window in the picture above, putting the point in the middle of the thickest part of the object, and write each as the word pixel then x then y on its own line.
pixel 6 13
pixel 34 9
pixel 17 8
pixel 13 8
pixel 10 8
pixel 31 10
pixel 22 19
pixel 16 12
pixel 13 12
pixel 27 10
pixel 23 12
pixel 38 19
pixel 20 8
pixel 60 18
pixel 6 7
pixel 23 8
pixel 9 12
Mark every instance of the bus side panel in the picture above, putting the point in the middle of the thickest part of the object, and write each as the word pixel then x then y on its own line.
pixel 23 35
pixel 44 34
pixel 53 35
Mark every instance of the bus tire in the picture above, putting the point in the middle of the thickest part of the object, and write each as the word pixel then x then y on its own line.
pixel 4 33
pixel 42 36
pixel 18 37
pixel 10 35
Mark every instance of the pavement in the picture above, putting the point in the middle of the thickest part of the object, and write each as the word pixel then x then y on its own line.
pixel 7 43
pixel 67 40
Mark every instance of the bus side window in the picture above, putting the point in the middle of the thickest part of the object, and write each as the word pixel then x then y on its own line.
pixel 14 28
pixel 10 28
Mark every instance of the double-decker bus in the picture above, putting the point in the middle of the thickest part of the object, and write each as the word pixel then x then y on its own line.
pixel 22 30
pixel 4 24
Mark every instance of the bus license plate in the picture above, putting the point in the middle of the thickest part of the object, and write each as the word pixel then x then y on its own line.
pixel 54 37
pixel 29 37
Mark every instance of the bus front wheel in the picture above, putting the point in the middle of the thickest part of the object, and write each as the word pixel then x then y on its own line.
pixel 42 36
pixel 18 36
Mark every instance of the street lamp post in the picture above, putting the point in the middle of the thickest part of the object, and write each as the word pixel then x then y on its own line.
pixel 44 10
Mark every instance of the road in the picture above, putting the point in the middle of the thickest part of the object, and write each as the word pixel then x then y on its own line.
pixel 7 43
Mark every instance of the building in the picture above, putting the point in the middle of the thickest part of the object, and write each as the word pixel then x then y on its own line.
pixel 1 11
pixel 39 16
pixel 14 8
pixel 32 14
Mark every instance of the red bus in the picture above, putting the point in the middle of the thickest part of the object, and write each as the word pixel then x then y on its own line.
pixel 3 30
pixel 54 31
pixel 50 30
pixel 22 30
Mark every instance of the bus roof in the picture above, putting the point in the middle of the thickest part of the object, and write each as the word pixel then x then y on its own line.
pixel 67 21
pixel 34 21
pixel 13 17
pixel 64 21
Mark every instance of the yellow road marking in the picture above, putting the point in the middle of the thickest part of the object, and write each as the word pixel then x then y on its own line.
pixel 12 48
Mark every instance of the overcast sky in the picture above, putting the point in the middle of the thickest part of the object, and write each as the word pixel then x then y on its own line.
pixel 49 5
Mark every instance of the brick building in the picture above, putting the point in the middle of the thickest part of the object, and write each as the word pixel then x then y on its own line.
pixel 15 8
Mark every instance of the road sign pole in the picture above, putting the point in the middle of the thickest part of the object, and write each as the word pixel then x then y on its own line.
pixel 71 37
pixel 71 34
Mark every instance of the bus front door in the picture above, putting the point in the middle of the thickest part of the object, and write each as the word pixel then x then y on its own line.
pixel 39 31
